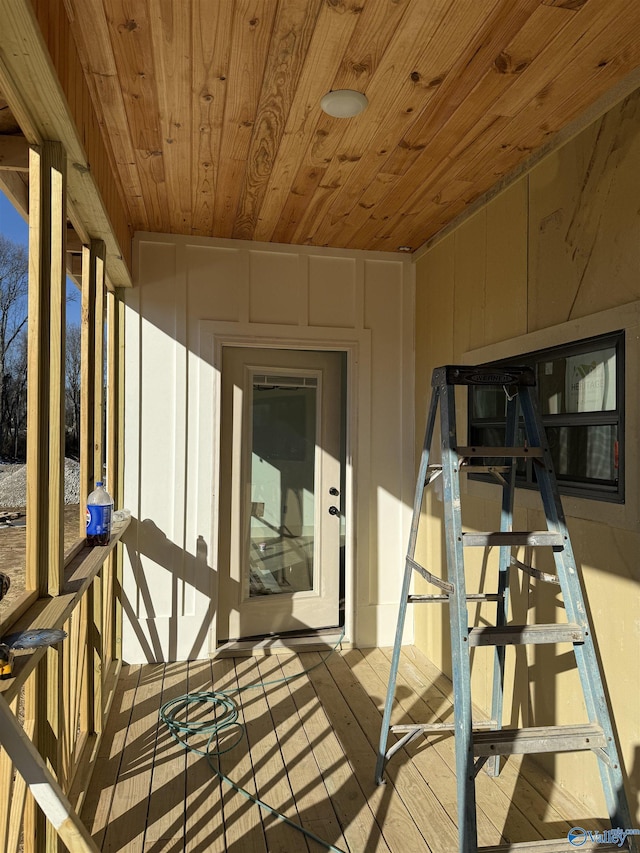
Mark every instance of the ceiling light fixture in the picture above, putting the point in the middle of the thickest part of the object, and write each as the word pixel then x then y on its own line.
pixel 344 103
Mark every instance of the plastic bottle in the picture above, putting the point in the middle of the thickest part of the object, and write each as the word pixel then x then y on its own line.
pixel 99 512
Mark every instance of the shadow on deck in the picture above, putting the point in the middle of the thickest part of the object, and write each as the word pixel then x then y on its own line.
pixel 309 752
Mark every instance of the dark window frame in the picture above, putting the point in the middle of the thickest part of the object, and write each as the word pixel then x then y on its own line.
pixel 610 491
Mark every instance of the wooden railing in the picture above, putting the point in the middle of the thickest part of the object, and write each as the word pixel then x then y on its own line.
pixel 86 668
pixel 54 707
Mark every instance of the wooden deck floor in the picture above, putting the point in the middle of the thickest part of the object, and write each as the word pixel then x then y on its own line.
pixel 310 753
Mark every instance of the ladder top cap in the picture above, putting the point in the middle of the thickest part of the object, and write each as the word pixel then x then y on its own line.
pixel 484 374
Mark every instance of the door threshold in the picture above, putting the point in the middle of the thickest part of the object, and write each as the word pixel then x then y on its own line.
pixel 320 641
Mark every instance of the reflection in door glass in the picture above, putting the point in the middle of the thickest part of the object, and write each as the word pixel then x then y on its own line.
pixel 283 456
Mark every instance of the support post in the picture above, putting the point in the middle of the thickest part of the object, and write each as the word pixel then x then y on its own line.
pixel 45 442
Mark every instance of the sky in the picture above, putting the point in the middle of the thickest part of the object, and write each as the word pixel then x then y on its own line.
pixel 14 227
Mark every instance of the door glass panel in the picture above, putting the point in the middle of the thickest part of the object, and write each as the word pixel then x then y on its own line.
pixel 282 485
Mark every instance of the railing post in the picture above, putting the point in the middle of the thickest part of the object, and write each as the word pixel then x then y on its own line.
pixel 90 428
pixel 45 442
pixel 91 462
pixel 110 575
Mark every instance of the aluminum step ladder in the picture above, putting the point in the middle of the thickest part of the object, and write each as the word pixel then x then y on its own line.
pixel 482 743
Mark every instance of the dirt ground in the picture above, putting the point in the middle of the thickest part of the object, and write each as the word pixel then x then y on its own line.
pixel 13 551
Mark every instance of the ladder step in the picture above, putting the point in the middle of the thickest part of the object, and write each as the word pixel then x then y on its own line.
pixel 509 635
pixel 532 538
pixel 559 845
pixel 500 452
pixel 473 596
pixel 538 740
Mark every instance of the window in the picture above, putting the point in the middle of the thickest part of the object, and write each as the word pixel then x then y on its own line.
pixel 580 392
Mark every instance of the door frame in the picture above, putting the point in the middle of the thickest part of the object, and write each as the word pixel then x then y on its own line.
pixel 316 607
pixel 356 344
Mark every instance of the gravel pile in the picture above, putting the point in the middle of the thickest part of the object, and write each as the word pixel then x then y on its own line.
pixel 13 484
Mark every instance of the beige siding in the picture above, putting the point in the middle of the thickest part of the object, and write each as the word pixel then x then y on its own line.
pixel 192 297
pixel 550 260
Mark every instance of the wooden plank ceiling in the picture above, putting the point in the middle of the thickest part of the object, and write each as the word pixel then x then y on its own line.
pixel 211 110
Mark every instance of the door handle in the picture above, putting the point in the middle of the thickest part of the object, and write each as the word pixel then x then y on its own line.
pixel 333 510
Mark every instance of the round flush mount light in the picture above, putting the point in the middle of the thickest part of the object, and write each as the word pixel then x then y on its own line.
pixel 344 103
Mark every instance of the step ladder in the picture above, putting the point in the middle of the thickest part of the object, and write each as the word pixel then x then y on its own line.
pixel 482 743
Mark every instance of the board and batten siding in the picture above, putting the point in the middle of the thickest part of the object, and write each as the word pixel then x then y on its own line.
pixel 191 297
pixel 555 258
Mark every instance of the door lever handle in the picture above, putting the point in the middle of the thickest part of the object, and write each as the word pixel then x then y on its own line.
pixel 333 510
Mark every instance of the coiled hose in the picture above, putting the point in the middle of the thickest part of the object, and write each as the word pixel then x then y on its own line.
pixel 223 719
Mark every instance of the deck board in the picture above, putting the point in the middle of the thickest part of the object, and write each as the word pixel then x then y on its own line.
pixel 315 810
pixel 202 813
pixel 309 751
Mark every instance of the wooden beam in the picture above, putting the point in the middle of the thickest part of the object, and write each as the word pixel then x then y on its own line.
pixel 74 265
pixel 43 785
pixel 33 91
pixel 45 411
pixel 110 578
pixel 119 433
pixel 57 277
pixel 74 242
pixel 16 188
pixel 90 274
pixel 14 154
pixel 99 376
pixel 45 437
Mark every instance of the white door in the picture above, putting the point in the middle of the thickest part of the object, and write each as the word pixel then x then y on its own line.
pixel 280 520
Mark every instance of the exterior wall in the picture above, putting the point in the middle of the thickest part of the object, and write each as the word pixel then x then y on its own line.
pixel 553 259
pixel 192 296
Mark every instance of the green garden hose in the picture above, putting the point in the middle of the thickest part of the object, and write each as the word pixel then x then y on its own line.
pixel 224 719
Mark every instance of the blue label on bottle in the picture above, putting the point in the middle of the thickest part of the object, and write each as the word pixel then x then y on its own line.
pixel 98 520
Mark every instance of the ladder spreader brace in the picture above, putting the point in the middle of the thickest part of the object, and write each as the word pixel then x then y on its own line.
pixel 481 743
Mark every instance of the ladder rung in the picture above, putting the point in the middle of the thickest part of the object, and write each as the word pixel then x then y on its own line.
pixel 508 635
pixel 500 452
pixel 425 728
pixel 538 740
pixel 531 538
pixel 472 596
pixel 560 845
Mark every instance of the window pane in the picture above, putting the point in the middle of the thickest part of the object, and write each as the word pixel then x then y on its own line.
pixel 585 453
pixel 580 383
pixel 494 436
pixel 488 403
